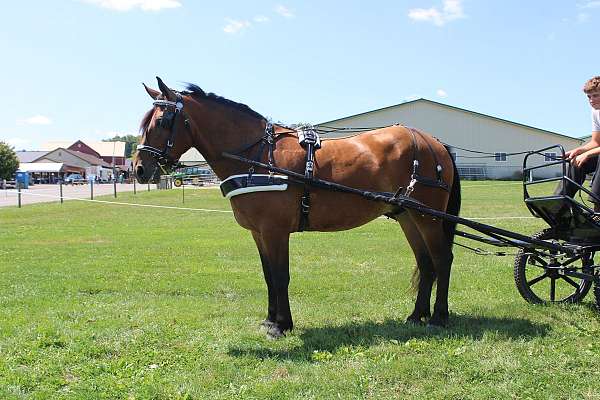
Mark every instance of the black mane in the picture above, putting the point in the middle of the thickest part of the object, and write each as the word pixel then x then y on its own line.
pixel 196 92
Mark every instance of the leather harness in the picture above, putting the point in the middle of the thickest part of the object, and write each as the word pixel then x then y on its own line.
pixel 308 138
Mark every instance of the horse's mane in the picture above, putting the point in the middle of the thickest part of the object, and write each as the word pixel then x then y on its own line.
pixel 196 92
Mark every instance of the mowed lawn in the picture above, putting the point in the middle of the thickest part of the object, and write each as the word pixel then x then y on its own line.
pixel 121 302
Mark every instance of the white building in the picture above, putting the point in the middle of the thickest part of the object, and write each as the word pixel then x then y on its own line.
pixel 466 129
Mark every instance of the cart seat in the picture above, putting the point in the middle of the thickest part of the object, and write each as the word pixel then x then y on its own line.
pixel 569 218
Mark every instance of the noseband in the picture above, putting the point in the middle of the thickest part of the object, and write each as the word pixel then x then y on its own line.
pixel 167 121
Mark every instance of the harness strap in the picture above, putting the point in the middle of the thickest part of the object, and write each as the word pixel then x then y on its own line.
pixel 270 139
pixel 415 177
pixel 438 167
pixel 309 139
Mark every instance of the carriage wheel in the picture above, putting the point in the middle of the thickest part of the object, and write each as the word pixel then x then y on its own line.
pixel 178 182
pixel 539 280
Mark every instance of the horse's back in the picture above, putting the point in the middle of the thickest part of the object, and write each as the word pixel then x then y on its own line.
pixel 377 161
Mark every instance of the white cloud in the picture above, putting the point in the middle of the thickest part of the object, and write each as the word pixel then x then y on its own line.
pixel 452 10
pixel 36 120
pixel 261 18
pixel 145 5
pixel 441 93
pixel 284 11
pixel 583 17
pixel 590 4
pixel 234 26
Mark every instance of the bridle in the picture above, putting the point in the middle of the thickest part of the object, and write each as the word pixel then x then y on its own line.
pixel 167 121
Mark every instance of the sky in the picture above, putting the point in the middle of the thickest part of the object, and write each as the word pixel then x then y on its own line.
pixel 73 69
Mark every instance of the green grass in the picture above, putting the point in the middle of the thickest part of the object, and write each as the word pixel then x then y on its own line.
pixel 108 301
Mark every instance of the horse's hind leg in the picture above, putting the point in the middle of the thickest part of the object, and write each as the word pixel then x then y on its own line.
pixel 273 248
pixel 440 251
pixel 424 273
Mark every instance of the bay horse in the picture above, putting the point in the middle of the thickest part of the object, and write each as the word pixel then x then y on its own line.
pixel 381 160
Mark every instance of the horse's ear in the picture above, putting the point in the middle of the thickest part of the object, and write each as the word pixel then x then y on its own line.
pixel 168 93
pixel 153 93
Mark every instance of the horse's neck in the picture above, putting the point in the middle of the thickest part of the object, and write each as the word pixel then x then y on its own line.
pixel 232 135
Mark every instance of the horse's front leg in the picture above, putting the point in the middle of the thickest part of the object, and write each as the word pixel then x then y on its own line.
pixel 273 248
pixel 272 308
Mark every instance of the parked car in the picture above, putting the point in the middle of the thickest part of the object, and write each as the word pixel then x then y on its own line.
pixel 75 179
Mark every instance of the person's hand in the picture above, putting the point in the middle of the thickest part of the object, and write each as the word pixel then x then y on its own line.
pixel 571 154
pixel 580 160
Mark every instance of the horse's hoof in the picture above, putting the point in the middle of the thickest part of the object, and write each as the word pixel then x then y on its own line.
pixel 414 321
pixel 437 322
pixel 274 333
pixel 267 324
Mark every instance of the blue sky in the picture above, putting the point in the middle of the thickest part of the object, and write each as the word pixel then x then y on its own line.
pixel 73 69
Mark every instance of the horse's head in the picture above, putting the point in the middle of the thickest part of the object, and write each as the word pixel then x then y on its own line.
pixel 165 135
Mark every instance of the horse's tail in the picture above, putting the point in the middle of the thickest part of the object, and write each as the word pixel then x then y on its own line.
pixel 453 207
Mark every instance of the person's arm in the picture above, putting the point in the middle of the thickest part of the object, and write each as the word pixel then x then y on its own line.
pixel 586 151
pixel 593 143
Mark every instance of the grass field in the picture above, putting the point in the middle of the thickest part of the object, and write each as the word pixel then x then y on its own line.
pixel 109 301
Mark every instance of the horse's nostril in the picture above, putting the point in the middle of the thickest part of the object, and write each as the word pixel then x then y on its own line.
pixel 139 171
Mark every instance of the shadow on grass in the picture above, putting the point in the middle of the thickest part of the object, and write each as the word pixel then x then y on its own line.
pixel 367 334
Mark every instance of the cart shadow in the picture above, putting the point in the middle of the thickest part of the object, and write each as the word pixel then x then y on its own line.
pixel 365 334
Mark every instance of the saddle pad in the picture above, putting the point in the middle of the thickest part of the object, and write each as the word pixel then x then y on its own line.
pixel 240 184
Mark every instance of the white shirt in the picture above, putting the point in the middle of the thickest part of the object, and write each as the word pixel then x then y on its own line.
pixel 595 120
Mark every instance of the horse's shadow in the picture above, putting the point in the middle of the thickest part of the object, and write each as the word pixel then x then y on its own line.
pixel 365 334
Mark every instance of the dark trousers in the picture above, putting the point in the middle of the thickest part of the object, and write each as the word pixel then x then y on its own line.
pixel 578 175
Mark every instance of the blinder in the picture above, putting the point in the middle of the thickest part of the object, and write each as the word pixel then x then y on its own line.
pixel 167 121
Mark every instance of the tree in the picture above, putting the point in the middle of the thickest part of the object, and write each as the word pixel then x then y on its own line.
pixel 131 141
pixel 9 163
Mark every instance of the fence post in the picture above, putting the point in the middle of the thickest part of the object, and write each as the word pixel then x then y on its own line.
pixel 148 185
pixel 91 190
pixel 183 192
pixel 19 193
pixel 115 186
pixel 134 179
pixel 61 192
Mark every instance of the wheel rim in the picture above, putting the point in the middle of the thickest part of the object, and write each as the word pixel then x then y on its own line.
pixel 546 282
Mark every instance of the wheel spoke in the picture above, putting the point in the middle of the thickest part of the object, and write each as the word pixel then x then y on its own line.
pixel 540 260
pixel 570 281
pixel 552 289
pixel 536 280
pixel 570 261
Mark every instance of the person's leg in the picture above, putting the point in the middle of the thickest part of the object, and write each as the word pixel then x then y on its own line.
pixel 596 186
pixel 577 175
